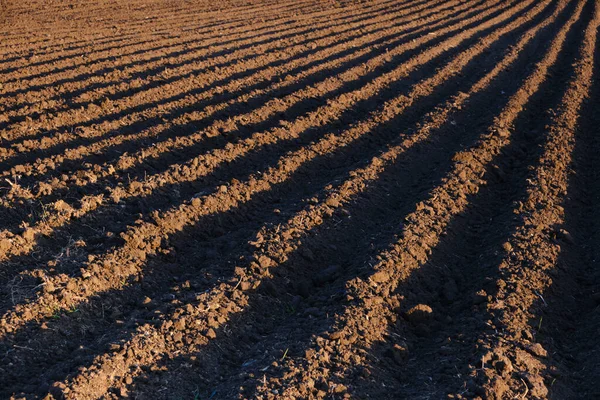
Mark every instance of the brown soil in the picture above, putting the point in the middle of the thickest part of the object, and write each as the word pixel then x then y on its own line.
pixel 313 199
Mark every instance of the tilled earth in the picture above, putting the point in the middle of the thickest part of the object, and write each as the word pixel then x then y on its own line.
pixel 386 199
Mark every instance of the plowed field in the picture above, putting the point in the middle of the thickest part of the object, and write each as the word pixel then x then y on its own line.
pixel 385 199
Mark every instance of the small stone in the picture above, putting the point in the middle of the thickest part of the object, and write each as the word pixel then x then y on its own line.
pixel 421 313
